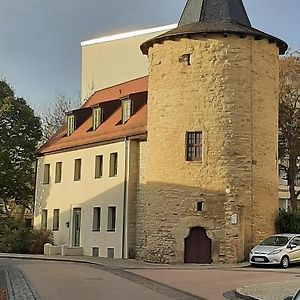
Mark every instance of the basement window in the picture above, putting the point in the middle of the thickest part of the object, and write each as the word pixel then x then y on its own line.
pixel 95 251
pixel 110 252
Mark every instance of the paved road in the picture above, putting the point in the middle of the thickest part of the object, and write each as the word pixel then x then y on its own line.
pixel 66 280
pixel 212 284
pixel 71 281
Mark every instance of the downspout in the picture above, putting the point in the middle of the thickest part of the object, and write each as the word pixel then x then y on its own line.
pixel 125 198
pixel 35 188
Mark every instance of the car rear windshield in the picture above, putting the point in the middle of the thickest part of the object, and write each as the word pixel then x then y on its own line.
pixel 275 241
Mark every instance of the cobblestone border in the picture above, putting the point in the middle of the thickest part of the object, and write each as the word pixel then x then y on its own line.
pixel 18 285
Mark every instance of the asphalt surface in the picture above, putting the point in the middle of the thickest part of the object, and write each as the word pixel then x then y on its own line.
pixel 29 277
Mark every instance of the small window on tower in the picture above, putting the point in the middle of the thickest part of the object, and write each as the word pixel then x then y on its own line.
pixel 194 146
pixel 200 206
pixel 185 59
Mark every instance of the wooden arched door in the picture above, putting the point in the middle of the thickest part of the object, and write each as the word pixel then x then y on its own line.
pixel 197 247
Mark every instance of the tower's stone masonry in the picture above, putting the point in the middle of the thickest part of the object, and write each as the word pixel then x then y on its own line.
pixel 226 87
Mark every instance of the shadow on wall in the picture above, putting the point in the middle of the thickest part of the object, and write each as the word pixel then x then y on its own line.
pixel 160 218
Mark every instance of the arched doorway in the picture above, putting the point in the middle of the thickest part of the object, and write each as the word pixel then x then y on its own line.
pixel 197 247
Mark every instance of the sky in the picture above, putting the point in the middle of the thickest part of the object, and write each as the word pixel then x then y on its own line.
pixel 40 39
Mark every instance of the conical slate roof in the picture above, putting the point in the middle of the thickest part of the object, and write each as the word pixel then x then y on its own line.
pixel 214 16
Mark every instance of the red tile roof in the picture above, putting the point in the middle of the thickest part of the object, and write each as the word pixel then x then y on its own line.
pixel 111 128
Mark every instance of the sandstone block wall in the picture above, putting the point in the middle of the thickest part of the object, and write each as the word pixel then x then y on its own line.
pixel 228 89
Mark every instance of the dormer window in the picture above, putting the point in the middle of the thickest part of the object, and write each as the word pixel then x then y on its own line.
pixel 126 110
pixel 70 124
pixel 97 117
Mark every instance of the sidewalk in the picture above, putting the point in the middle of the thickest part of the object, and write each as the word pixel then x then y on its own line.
pixel 266 291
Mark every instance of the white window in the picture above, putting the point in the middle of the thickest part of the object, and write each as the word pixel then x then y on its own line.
pixel 97 117
pixel 70 124
pixel 98 166
pixel 111 220
pixel 113 164
pixel 126 110
pixel 56 219
pixel 46 174
pixel 58 171
pixel 96 218
pixel 77 169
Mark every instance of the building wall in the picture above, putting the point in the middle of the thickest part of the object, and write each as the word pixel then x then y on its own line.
pixel 85 194
pixel 229 92
pixel 111 60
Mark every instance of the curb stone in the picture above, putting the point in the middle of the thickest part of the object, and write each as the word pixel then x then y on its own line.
pixel 241 295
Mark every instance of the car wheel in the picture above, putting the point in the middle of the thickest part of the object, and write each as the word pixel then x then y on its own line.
pixel 285 262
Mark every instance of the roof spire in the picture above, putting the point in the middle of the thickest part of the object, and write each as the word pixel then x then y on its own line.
pixel 215 17
pixel 214 11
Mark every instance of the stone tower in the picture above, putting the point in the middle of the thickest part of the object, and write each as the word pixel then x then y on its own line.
pixel 210 186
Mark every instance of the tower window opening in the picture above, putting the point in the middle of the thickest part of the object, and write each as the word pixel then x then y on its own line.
pixel 200 206
pixel 186 59
pixel 194 146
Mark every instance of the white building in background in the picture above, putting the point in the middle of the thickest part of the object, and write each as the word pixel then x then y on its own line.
pixel 110 60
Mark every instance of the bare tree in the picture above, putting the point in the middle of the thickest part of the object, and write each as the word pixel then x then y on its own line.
pixel 289 122
pixel 54 115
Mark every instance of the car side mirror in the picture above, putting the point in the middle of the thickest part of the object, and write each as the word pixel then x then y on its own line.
pixel 292 246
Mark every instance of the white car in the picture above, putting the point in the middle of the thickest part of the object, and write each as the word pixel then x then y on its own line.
pixel 277 249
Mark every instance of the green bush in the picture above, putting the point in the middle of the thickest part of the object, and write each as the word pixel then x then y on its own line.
pixel 288 221
pixel 15 237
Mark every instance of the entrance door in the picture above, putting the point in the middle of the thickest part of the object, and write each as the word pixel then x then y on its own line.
pixel 76 227
pixel 197 247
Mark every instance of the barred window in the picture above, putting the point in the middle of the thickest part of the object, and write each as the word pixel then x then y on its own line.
pixel 194 146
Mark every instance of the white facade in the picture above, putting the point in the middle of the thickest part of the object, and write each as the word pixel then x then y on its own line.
pixel 110 60
pixel 85 194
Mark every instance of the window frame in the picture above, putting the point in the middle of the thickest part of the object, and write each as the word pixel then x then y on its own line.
pixel 194 146
pixel 98 166
pixel 98 219
pixel 56 219
pixel 113 164
pixel 46 176
pixel 111 218
pixel 70 124
pixel 58 175
pixel 97 114
pixel 126 110
pixel 77 169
